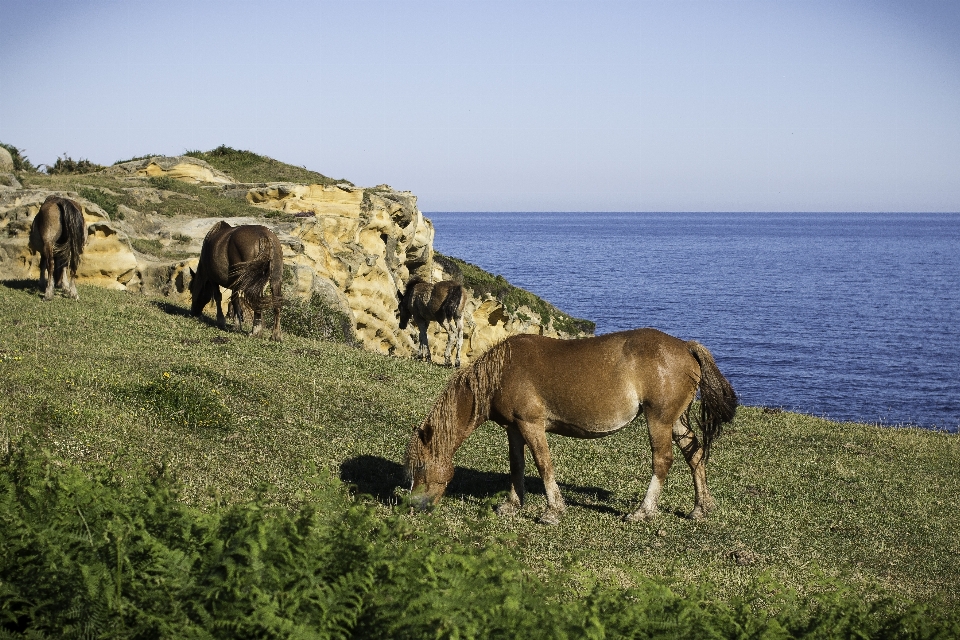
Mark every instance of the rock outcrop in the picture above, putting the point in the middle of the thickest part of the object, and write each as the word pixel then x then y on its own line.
pixel 353 247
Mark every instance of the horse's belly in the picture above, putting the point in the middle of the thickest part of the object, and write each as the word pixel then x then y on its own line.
pixel 585 430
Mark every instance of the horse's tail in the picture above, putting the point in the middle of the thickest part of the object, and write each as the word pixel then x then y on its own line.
pixel 249 278
pixel 75 228
pixel 450 309
pixel 718 400
pixel 406 301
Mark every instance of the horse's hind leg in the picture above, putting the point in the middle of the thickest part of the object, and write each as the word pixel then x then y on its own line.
pixel 257 322
pixel 450 326
pixel 459 340
pixel 687 441
pixel 517 468
pixel 47 264
pixel 69 282
pixel 662 448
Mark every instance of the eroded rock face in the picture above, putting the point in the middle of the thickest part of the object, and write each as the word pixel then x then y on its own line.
pixel 354 247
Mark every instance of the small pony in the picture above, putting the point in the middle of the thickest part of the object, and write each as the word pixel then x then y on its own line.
pixel 587 388
pixel 442 302
pixel 243 259
pixel 59 234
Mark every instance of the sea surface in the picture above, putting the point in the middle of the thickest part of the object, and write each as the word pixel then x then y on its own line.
pixel 854 317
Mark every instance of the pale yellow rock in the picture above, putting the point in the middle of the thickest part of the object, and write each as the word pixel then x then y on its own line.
pixel 183 168
pixel 357 249
pixel 6 160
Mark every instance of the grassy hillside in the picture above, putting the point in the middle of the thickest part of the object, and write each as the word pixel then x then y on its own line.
pixel 132 381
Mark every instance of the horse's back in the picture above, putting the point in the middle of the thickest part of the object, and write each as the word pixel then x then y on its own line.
pixel 246 242
pixel 599 382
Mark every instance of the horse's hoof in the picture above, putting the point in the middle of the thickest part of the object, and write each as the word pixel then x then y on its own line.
pixel 640 515
pixel 697 514
pixel 508 509
pixel 550 516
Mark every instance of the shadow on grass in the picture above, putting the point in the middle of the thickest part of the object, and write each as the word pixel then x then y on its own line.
pixel 177 310
pixel 21 285
pixel 379 478
pixel 30 286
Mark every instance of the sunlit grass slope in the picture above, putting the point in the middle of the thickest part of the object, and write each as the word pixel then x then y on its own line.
pixel 133 381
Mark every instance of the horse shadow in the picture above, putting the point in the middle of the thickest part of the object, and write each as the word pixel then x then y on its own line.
pixel 379 478
pixel 20 284
pixel 28 285
pixel 171 309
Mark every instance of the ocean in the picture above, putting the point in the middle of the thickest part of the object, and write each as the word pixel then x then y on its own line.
pixel 853 317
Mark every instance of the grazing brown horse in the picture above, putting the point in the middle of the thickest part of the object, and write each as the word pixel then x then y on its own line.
pixel 441 302
pixel 59 234
pixel 586 388
pixel 243 259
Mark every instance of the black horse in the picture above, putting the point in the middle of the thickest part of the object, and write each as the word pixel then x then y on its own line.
pixel 243 259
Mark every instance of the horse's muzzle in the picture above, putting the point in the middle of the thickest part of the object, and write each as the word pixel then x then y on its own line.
pixel 421 502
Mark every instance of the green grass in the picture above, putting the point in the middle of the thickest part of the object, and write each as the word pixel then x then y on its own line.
pixel 127 380
pixel 194 200
pixel 246 166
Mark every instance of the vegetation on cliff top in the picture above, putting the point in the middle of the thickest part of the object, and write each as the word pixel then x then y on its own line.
pixel 246 166
pixel 513 298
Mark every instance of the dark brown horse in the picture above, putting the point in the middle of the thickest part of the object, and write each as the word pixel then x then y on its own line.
pixel 442 302
pixel 59 234
pixel 586 388
pixel 243 259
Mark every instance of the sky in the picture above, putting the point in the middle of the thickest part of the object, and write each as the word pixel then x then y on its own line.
pixel 512 106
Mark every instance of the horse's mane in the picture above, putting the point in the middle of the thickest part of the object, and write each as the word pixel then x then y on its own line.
pixel 440 433
pixel 408 290
pixel 483 379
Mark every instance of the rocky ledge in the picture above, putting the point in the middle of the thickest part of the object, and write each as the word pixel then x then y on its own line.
pixel 353 247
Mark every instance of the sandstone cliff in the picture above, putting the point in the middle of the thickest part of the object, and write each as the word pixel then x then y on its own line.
pixel 352 247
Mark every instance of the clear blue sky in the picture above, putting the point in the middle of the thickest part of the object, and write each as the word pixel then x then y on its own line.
pixel 548 106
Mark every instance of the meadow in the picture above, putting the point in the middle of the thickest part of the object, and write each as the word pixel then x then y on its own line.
pixel 854 521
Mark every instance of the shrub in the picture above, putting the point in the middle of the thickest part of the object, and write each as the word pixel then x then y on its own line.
pixel 314 318
pixel 67 165
pixel 104 200
pixel 90 553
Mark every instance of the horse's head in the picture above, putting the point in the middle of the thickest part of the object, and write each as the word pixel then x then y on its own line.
pixel 428 476
pixel 403 308
pixel 201 292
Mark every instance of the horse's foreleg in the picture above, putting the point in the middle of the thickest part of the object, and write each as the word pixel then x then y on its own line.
pixel 661 445
pixel 687 441
pixel 536 438
pixel 424 344
pixel 218 298
pixel 517 468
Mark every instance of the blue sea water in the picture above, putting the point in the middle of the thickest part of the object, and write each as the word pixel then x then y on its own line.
pixel 855 317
